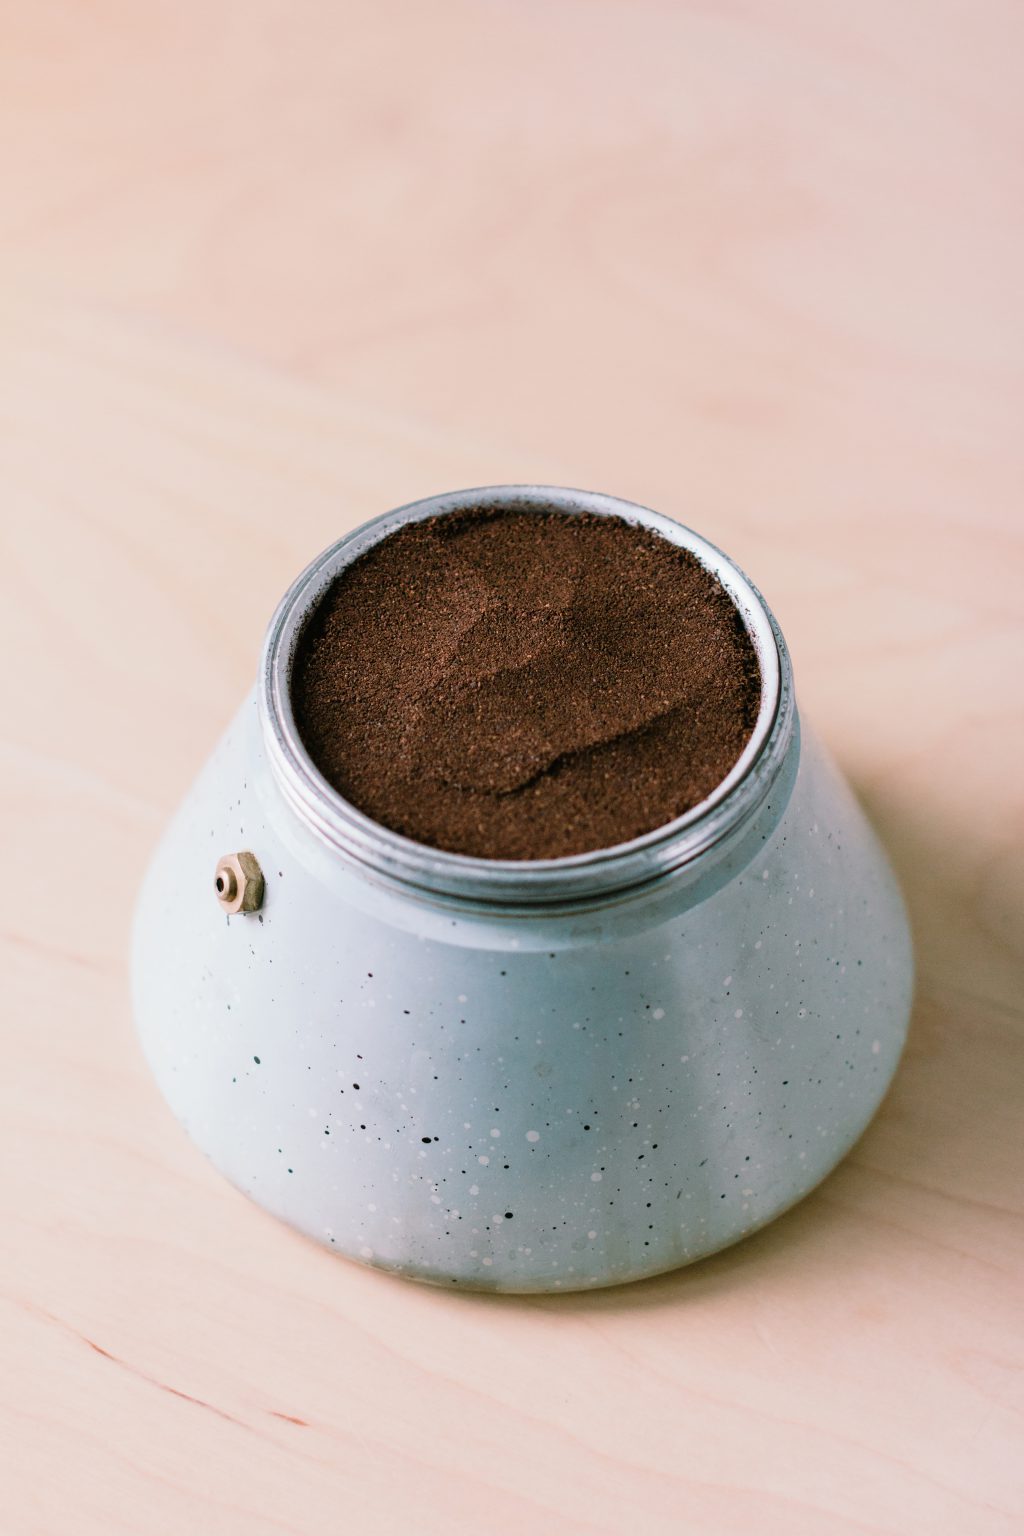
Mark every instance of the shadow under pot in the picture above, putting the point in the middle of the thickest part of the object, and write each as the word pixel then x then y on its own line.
pixel 521 1074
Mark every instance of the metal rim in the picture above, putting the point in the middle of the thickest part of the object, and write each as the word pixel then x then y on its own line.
pixel 514 882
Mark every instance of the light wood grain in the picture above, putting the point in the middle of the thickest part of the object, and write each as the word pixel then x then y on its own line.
pixel 267 270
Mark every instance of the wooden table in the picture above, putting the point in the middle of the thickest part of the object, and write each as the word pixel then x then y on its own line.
pixel 267 270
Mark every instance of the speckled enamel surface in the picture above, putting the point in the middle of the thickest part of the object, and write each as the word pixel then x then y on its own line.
pixel 485 1104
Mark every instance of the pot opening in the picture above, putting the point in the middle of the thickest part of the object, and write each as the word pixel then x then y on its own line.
pixel 598 870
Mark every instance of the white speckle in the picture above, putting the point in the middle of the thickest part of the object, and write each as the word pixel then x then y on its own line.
pixel 484 1159
pixel 764 874
pixel 758 944
pixel 435 1199
pixel 591 1235
pixel 488 1262
pixel 595 1178
pixel 659 1013
pixel 462 998
pixel 495 1132
pixel 467 1125
pixel 313 1114
pixel 474 1189
pixel 801 1013
pixel 577 1025
pixel 726 982
pixel 533 1135
pixel 474 1253
pixel 738 1014
pixel 876 1046
pixel 747 1193
pixel 371 1207
pixel 684 1058
pixel 366 1253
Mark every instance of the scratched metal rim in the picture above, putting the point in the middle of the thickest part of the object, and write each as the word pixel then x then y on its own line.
pixel 577 879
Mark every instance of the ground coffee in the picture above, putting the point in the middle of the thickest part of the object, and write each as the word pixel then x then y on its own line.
pixel 517 684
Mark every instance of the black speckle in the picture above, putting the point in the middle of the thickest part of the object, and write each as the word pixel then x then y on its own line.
pixel 256 1060
pixel 355 1085
pixel 508 1215
pixel 425 1139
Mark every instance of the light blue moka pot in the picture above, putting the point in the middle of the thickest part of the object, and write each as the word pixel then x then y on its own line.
pixel 521 1076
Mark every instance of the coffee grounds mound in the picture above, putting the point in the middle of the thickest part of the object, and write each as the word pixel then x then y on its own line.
pixel 520 684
